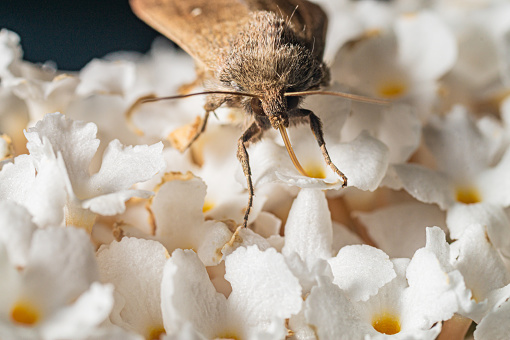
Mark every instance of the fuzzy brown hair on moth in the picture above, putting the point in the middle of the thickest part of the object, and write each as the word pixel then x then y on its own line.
pixel 259 55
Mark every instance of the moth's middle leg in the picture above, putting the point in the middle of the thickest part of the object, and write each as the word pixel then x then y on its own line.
pixel 250 134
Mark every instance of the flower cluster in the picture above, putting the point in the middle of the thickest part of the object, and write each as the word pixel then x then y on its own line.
pixel 108 232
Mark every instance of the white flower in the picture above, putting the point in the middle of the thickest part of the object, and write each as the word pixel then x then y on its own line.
pixel 40 189
pixel 474 277
pixel 483 270
pixel 467 183
pixel 43 96
pixel 309 237
pixel 16 230
pixel 385 315
pixel 397 126
pixel 481 72
pixel 54 296
pixel 100 76
pixel 250 312
pixel 41 87
pixel 348 20
pixel 398 229
pixel 363 160
pixel 361 270
pixel 104 192
pixel 135 268
pixel 108 113
pixel 10 54
pixel 494 325
pixel 14 117
pixel 403 63
pixel 436 290
pixel 180 223
pixel 308 231
pixel 154 72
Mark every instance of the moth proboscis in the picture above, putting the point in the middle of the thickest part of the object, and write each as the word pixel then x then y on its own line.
pixel 259 55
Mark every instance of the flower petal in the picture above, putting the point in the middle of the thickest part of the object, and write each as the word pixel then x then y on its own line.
pixel 479 262
pixel 74 139
pixel 16 229
pixel 187 295
pixel 100 76
pixel 124 166
pixel 398 229
pixel 59 256
pixel 83 316
pixel 426 44
pixel 461 216
pixel 256 277
pixel 495 324
pixel 135 267
pixel 364 161
pixel 360 270
pixel 332 314
pixel 113 203
pixel 425 185
pixel 308 230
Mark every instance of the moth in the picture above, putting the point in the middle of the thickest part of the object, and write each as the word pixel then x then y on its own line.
pixel 259 55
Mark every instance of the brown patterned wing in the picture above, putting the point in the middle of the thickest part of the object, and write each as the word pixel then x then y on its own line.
pixel 200 27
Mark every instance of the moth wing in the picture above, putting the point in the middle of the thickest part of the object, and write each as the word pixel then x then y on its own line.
pixel 309 20
pixel 200 27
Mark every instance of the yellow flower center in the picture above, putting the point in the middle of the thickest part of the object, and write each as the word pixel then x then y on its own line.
pixel 386 323
pixel 315 170
pixel 392 89
pixel 156 333
pixel 24 313
pixel 208 206
pixel 228 336
pixel 468 195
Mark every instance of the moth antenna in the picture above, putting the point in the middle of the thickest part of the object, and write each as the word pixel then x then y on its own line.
pixel 355 97
pixel 233 93
pixel 153 98
pixel 290 150
pixel 129 113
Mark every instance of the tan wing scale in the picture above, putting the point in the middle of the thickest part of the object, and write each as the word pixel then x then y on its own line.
pixel 197 26
pixel 202 27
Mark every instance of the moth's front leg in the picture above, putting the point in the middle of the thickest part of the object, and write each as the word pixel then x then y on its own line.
pixel 212 103
pixel 250 134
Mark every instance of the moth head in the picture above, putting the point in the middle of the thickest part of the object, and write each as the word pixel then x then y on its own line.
pixel 274 106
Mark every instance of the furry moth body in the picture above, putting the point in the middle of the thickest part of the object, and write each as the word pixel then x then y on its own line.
pixel 257 53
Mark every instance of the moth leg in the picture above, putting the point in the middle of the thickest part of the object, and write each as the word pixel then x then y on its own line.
pixel 212 104
pixel 316 126
pixel 198 132
pixel 250 134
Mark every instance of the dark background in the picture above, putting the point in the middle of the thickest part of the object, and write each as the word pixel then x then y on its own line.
pixel 71 33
